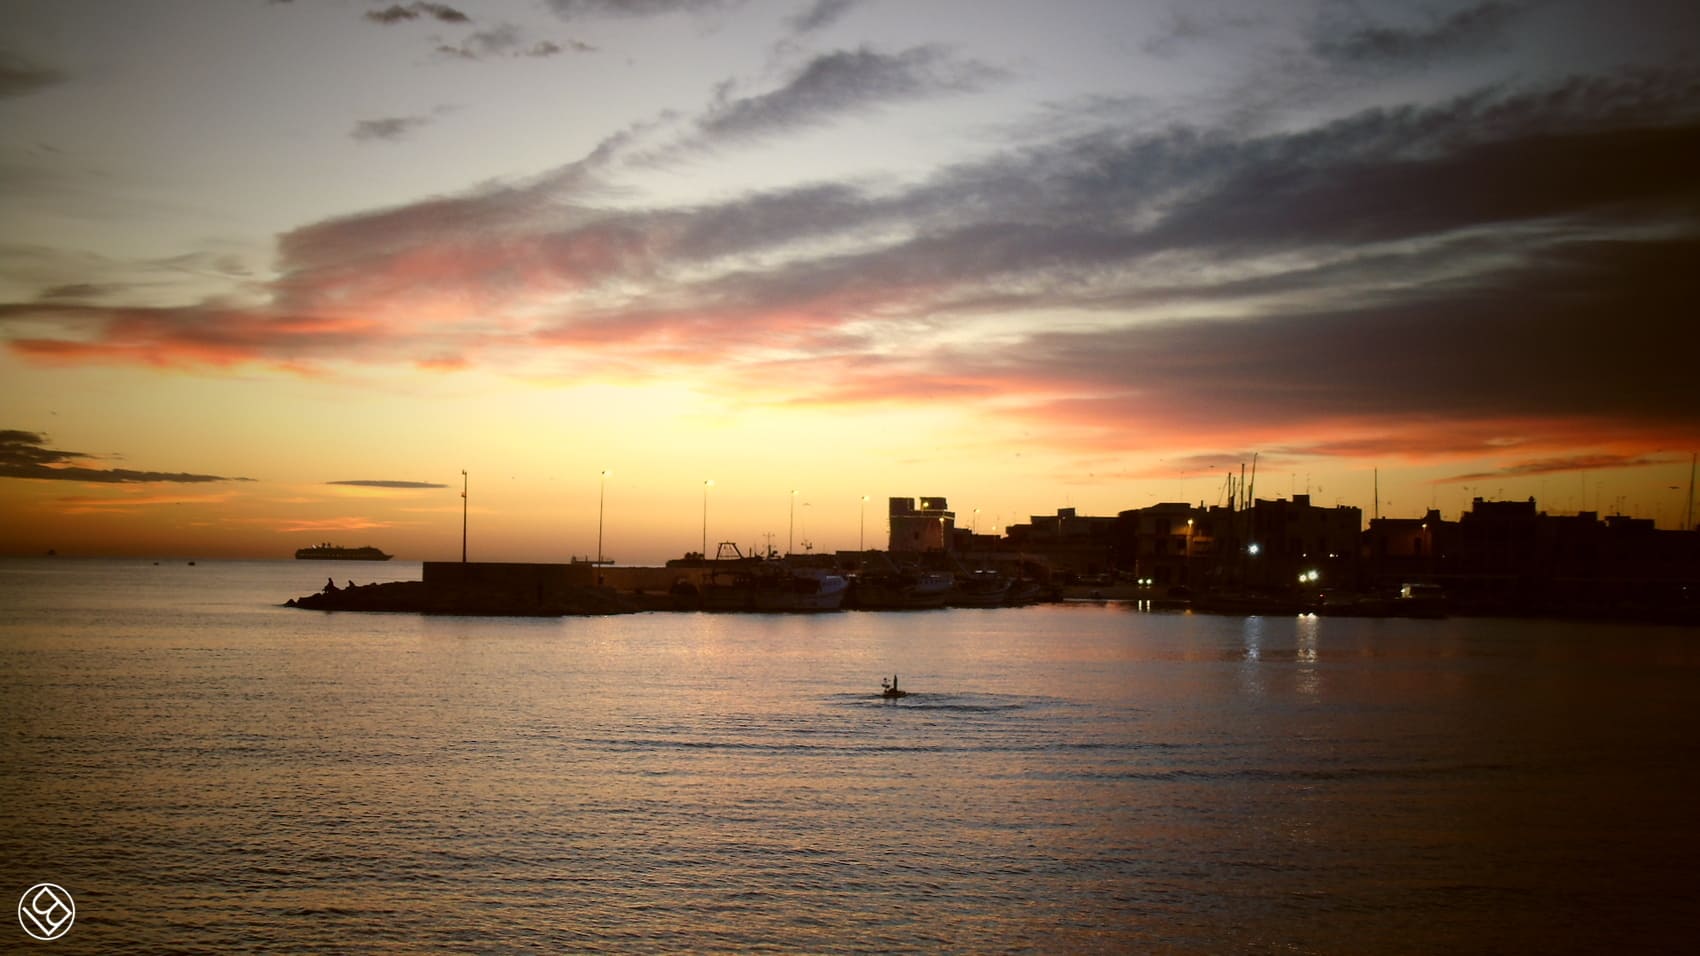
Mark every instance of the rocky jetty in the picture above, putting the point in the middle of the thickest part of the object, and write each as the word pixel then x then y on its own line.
pixel 417 597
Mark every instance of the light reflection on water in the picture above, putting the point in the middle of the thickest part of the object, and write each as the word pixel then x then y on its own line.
pixel 206 771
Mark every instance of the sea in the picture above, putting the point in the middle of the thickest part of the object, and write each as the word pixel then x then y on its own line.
pixel 197 769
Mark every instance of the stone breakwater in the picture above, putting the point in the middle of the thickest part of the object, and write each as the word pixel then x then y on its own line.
pixel 421 597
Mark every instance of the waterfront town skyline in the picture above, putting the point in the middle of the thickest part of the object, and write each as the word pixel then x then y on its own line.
pixel 1097 256
pixel 958 529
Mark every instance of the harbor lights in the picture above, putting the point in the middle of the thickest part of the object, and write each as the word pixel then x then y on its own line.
pixel 1309 577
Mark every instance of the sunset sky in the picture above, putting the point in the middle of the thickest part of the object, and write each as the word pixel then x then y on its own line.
pixel 274 273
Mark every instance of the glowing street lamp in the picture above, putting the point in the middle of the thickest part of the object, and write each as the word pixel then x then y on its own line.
pixel 601 500
pixel 707 484
pixel 862 526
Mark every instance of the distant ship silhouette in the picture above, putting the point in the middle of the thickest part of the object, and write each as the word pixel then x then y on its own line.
pixel 331 552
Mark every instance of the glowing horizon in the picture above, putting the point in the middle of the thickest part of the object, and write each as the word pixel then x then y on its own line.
pixel 1098 256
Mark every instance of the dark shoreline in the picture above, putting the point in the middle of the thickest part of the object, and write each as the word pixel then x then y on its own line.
pixel 413 597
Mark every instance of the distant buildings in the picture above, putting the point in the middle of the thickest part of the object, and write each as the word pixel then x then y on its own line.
pixel 928 527
pixel 1508 555
pixel 1500 555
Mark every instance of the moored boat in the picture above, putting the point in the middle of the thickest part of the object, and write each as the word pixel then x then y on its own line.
pixel 907 589
pixel 980 589
pixel 762 584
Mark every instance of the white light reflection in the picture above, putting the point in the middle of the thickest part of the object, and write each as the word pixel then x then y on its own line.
pixel 1308 629
pixel 1251 677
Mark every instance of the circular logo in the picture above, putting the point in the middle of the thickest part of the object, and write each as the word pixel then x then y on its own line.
pixel 46 911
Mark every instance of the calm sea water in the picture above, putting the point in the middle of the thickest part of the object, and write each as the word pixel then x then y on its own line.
pixel 207 772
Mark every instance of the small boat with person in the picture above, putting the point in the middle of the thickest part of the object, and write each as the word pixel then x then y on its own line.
pixel 888 689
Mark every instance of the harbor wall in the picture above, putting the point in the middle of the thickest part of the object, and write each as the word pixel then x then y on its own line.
pixel 520 588
pixel 642 580
pixel 500 587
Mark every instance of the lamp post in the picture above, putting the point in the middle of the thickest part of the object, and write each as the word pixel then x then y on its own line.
pixel 862 526
pixel 601 501
pixel 707 484
pixel 463 516
pixel 791 529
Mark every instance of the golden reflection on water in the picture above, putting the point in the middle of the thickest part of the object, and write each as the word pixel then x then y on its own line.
pixel 1062 779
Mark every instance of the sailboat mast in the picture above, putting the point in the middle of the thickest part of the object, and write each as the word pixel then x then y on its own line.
pixel 1688 523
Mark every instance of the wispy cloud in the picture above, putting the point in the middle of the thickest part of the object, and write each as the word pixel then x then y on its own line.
pixel 25 454
pixel 1561 465
pixel 330 525
pixel 1510 262
pixel 576 9
pixel 388 129
pixel 822 14
pixel 847 81
pixel 381 483
pixel 1466 31
pixel 126 502
pixel 20 77
pixel 397 13
pixel 506 40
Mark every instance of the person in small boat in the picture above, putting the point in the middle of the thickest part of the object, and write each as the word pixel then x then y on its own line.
pixel 330 586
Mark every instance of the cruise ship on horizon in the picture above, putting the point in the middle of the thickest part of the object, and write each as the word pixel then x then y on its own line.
pixel 331 552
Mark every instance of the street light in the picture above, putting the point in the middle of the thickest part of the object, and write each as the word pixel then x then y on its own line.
pixel 601 500
pixel 862 526
pixel 463 516
pixel 791 529
pixel 707 484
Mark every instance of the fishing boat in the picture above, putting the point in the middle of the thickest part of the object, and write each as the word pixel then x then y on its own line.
pixel 883 585
pixel 980 589
pixel 888 689
pixel 739 583
pixel 331 552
